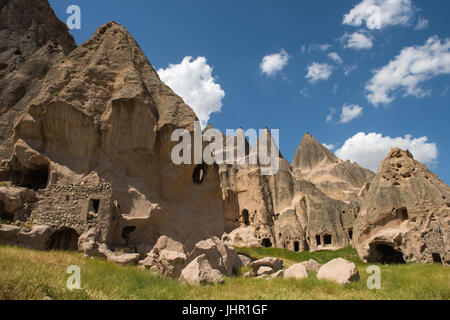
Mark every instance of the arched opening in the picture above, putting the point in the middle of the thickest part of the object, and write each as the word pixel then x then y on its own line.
pixel 35 179
pixel 387 255
pixel 436 258
pixel 403 213
pixel 199 174
pixel 245 217
pixel 266 243
pixel 296 246
pixel 64 239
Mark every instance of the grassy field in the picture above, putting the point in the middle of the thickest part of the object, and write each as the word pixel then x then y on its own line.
pixel 27 274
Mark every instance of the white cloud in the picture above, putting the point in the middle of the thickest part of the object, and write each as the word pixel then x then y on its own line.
pixel 192 80
pixel 335 57
pixel 350 112
pixel 422 23
pixel 413 66
pixel 379 14
pixel 357 41
pixel 273 63
pixel 329 146
pixel 370 149
pixel 318 47
pixel 318 71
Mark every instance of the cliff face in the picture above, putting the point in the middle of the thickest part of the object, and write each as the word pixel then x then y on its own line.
pixel 103 113
pixel 33 39
pixel 406 214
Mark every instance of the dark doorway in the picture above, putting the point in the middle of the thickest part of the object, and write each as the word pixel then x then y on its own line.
pixel 245 217
pixel 5 216
pixel 296 246
pixel 350 234
pixel 126 233
pixel 388 255
pixel 199 174
pixel 266 243
pixel 95 205
pixel 437 258
pixel 327 239
pixel 34 179
pixel 64 239
pixel 318 241
pixel 403 213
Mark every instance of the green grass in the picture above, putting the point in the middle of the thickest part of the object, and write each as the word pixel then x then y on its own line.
pixel 28 274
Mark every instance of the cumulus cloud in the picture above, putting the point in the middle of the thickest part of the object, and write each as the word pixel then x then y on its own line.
pixel 192 80
pixel 379 14
pixel 357 41
pixel 350 112
pixel 370 149
pixel 318 71
pixel 335 57
pixel 413 66
pixel 273 63
pixel 329 146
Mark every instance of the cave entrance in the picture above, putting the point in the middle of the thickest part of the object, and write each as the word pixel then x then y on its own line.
pixel 33 178
pixel 266 243
pixel 296 246
pixel 94 205
pixel 5 216
pixel 64 239
pixel 436 258
pixel 350 234
pixel 245 217
pixel 403 212
pixel 126 232
pixel 388 255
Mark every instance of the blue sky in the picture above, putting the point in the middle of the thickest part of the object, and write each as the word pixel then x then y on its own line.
pixel 235 36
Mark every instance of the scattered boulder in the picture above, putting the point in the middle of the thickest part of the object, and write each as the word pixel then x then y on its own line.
pixel 168 257
pixel 274 263
pixel 124 259
pixel 220 256
pixel 245 260
pixel 264 270
pixel 340 271
pixel 35 237
pixel 311 265
pixel 296 271
pixel 200 272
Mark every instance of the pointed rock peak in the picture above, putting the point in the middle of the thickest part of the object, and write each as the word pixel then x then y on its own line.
pixel 269 142
pixel 311 153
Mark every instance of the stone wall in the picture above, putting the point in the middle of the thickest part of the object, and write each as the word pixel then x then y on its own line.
pixel 77 206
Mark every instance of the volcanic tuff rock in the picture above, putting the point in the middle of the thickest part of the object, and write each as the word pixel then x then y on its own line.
pixel 406 214
pixel 33 39
pixel 338 179
pixel 104 114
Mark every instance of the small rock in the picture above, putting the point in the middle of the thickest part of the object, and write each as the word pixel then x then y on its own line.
pixel 297 271
pixel 340 271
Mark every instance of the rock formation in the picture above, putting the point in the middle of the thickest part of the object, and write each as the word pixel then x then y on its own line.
pixel 33 39
pixel 406 214
pixel 85 139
